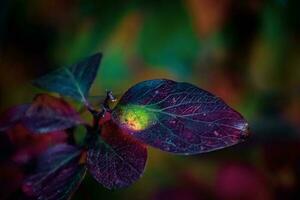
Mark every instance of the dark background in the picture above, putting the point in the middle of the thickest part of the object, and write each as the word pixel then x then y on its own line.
pixel 246 52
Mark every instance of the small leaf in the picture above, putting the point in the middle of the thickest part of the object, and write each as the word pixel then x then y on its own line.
pixel 117 160
pixel 12 116
pixel 74 81
pixel 58 174
pixel 48 114
pixel 178 117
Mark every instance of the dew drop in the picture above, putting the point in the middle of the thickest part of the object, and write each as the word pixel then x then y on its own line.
pixel 216 133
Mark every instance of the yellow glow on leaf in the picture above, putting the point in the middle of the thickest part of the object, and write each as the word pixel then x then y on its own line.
pixel 136 117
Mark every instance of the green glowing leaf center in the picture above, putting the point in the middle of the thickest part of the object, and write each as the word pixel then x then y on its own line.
pixel 136 117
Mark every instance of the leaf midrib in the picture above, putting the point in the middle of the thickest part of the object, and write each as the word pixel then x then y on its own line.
pixel 118 156
pixel 60 165
pixel 79 89
pixel 179 116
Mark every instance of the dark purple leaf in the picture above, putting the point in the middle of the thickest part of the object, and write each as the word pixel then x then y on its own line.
pixel 58 174
pixel 12 116
pixel 48 114
pixel 74 81
pixel 179 117
pixel 116 160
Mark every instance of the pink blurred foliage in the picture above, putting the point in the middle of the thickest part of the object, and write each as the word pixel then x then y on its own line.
pixel 27 145
pixel 22 148
pixel 241 181
pixel 233 181
pixel 187 187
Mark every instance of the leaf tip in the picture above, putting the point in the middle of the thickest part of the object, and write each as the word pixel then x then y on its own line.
pixel 246 133
pixel 97 57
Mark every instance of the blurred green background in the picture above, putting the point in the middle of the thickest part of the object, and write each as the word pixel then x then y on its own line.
pixel 246 52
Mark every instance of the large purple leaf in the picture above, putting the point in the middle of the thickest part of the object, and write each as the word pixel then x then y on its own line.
pixel 58 174
pixel 74 81
pixel 12 116
pixel 48 114
pixel 116 160
pixel 178 117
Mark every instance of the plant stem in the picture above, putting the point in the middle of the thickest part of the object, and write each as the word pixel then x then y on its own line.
pixel 98 115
